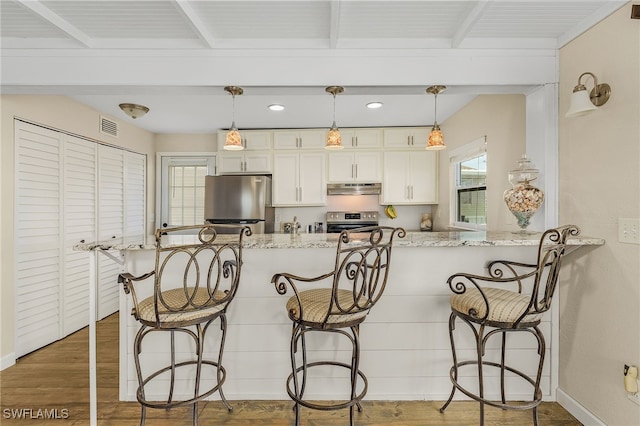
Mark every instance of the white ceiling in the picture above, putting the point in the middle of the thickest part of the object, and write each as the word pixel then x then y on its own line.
pixel 94 36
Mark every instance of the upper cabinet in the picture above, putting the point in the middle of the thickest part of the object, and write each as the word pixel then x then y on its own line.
pixel 299 139
pixel 299 179
pixel 252 140
pixel 244 162
pixel 354 166
pixel 406 137
pixel 361 138
pixel 410 177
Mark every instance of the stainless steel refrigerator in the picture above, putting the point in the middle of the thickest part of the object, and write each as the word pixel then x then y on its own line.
pixel 240 199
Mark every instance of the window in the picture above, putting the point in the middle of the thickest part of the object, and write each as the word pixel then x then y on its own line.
pixel 182 188
pixel 469 186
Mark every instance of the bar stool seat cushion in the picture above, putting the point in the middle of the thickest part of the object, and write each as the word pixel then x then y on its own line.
pixel 505 306
pixel 176 299
pixel 315 305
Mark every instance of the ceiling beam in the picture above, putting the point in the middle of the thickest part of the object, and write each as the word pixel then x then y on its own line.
pixel 195 22
pixel 58 21
pixel 334 24
pixel 469 22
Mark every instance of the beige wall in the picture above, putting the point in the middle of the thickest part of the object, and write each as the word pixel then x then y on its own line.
pixel 60 113
pixel 502 119
pixel 599 182
pixel 186 143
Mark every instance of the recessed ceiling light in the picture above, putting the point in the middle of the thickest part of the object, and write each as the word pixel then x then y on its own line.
pixel 374 105
pixel 276 107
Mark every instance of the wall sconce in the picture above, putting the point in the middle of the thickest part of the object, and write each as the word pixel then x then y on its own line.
pixel 134 110
pixel 334 139
pixel 583 102
pixel 233 141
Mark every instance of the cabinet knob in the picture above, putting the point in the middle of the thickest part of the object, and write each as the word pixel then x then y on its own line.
pixel 82 241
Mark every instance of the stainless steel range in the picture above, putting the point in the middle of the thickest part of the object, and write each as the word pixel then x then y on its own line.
pixel 340 221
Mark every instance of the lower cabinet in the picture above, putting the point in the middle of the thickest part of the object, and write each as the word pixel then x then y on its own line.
pixel 299 179
pixel 410 177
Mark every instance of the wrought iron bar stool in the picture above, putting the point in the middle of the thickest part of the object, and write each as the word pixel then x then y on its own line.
pixel 195 279
pixel 351 290
pixel 518 295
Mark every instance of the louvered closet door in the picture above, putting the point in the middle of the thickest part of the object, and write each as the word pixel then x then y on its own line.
pixel 135 196
pixel 80 199
pixel 38 240
pixel 110 224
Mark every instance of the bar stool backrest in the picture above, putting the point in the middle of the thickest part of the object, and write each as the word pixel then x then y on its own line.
pixel 362 265
pixel 202 269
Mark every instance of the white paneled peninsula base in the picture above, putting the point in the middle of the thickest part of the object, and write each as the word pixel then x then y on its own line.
pixel 406 353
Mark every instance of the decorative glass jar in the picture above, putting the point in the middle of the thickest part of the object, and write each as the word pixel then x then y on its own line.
pixel 523 199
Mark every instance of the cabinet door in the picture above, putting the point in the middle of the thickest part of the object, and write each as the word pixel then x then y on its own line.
pixel 341 167
pixel 135 196
pixel 110 224
pixel 367 167
pixel 37 237
pixel 256 139
pixel 395 188
pixel 312 139
pixel 230 163
pixel 285 139
pixel 365 138
pixel 285 179
pixel 424 177
pixel 406 137
pixel 312 180
pixel 258 162
pixel 80 198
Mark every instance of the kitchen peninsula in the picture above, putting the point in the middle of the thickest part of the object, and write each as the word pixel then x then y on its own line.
pixel 406 338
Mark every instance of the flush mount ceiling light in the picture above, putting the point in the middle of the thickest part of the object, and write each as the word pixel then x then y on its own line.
pixel 276 107
pixel 436 138
pixel 233 141
pixel 374 105
pixel 134 110
pixel 583 102
pixel 334 140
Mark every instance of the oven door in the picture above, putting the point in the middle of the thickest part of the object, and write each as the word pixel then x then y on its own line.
pixel 336 228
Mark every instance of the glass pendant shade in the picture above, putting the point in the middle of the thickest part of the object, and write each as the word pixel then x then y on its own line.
pixel 234 140
pixel 334 139
pixel 436 139
pixel 580 103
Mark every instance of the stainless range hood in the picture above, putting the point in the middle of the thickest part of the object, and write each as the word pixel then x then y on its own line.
pixel 373 188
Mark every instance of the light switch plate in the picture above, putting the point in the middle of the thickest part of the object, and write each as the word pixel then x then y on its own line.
pixel 629 230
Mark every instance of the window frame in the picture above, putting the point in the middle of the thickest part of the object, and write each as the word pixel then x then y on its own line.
pixel 475 148
pixel 166 159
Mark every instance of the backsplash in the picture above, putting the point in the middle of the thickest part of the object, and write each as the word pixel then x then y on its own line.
pixel 408 216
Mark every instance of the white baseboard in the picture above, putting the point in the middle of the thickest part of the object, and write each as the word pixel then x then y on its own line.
pixel 583 415
pixel 7 361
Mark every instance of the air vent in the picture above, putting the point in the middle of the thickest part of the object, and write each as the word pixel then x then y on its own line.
pixel 108 127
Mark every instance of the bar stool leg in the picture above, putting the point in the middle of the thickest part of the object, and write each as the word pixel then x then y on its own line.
pixel 454 369
pixel 480 352
pixel 502 364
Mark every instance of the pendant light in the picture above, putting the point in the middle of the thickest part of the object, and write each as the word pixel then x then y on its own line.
pixel 436 138
pixel 233 141
pixel 334 140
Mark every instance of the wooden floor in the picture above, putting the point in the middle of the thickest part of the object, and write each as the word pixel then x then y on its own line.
pixel 56 379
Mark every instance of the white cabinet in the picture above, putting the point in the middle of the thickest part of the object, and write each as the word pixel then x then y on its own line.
pixel 244 162
pixel 299 179
pixel 354 167
pixel 299 139
pixel 361 138
pixel 252 140
pixel 406 137
pixel 410 177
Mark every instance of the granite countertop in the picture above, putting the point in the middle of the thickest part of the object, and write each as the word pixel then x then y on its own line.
pixel 412 239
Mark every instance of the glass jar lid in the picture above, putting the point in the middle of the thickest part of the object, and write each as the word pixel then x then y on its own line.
pixel 525 173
